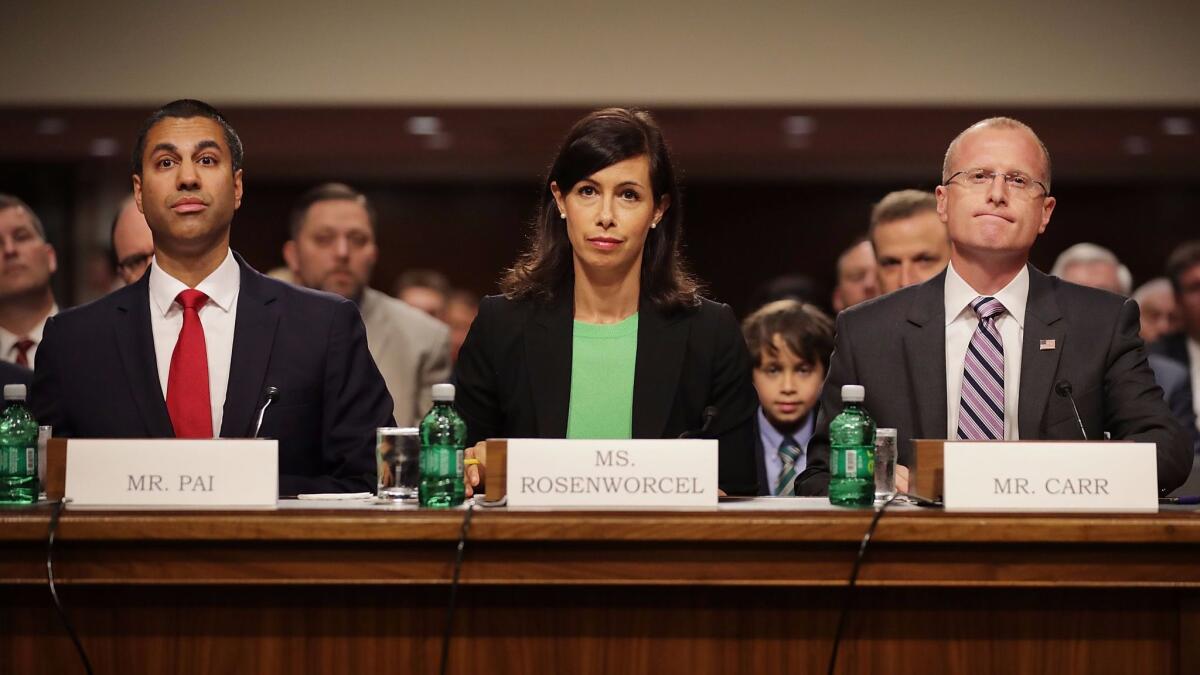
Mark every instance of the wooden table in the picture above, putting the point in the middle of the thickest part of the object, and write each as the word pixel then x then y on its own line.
pixel 327 591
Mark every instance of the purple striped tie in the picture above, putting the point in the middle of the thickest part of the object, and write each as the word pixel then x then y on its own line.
pixel 981 408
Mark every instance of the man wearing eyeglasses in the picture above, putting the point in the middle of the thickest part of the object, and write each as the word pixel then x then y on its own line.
pixel 977 352
pixel 132 243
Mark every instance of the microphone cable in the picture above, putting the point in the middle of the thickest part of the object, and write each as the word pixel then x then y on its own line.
pixel 62 613
pixel 848 600
pixel 458 560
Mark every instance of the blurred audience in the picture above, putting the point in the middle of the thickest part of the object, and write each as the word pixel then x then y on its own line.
pixel 1160 317
pixel 26 300
pixel 461 308
pixel 910 240
pixel 424 289
pixel 790 343
pixel 856 276
pixel 1090 265
pixel 1183 269
pixel 332 248
pixel 132 243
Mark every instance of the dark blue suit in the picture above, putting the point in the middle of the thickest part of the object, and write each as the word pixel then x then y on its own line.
pixel 11 373
pixel 97 378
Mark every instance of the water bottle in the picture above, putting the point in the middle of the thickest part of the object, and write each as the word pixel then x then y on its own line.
pixel 18 449
pixel 443 439
pixel 852 452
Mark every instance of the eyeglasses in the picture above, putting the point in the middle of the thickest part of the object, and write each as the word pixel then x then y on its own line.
pixel 1017 181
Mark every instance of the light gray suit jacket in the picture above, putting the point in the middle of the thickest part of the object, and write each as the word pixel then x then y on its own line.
pixel 411 349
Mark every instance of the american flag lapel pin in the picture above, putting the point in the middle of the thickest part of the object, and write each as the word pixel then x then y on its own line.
pixel 1046 345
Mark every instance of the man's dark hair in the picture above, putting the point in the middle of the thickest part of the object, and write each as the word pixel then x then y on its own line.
pixel 1182 259
pixel 423 278
pixel 899 205
pixel 324 193
pixel 806 330
pixel 13 202
pixel 186 108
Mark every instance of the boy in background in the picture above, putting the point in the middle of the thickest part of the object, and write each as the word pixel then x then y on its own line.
pixel 790 343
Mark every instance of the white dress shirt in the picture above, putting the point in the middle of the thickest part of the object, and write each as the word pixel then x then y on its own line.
pixel 217 316
pixel 1193 350
pixel 961 321
pixel 8 341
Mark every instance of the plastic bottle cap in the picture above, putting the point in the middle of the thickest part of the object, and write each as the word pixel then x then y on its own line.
pixel 885 433
pixel 443 392
pixel 853 393
pixel 14 392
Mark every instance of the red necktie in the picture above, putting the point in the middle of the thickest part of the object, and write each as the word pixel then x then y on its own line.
pixel 23 346
pixel 187 385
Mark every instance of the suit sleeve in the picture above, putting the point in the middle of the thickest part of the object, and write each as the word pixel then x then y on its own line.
pixel 435 369
pixel 1134 406
pixel 475 377
pixel 46 394
pixel 814 480
pixel 356 402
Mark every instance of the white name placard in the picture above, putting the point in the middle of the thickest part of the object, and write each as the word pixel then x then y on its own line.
pixel 620 473
pixel 1050 476
pixel 167 472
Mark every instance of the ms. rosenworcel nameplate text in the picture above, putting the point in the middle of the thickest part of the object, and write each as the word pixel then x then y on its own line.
pixel 166 473
pixel 621 473
pixel 1051 476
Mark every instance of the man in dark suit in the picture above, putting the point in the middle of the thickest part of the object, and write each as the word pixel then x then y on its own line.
pixel 979 351
pixel 1183 269
pixel 191 348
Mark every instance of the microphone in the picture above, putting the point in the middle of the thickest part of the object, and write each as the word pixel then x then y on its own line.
pixel 271 393
pixel 1063 389
pixel 709 414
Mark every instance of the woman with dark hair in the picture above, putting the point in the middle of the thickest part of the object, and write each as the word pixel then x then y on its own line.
pixel 601 331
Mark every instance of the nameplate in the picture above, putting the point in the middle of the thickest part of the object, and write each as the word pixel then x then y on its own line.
pixel 620 473
pixel 1051 476
pixel 168 473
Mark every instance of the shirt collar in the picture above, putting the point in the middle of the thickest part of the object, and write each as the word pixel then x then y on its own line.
pixel 8 339
pixel 959 295
pixel 221 286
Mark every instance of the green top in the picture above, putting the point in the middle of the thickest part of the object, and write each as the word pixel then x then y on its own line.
pixel 602 365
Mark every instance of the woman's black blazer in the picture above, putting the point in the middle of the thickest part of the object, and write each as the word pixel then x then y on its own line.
pixel 514 377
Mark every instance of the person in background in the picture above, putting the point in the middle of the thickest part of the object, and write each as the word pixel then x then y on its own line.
pixel 910 240
pixel 1095 266
pixel 192 348
pixel 461 309
pixel 857 278
pixel 790 343
pixel 26 267
pixel 1089 264
pixel 1183 269
pixel 975 352
pixel 1160 317
pixel 601 331
pixel 132 242
pixel 424 289
pixel 332 248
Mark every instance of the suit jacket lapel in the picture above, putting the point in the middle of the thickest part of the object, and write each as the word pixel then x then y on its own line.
pixel 135 344
pixel 1039 366
pixel 253 334
pixel 548 348
pixel 925 358
pixel 661 343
